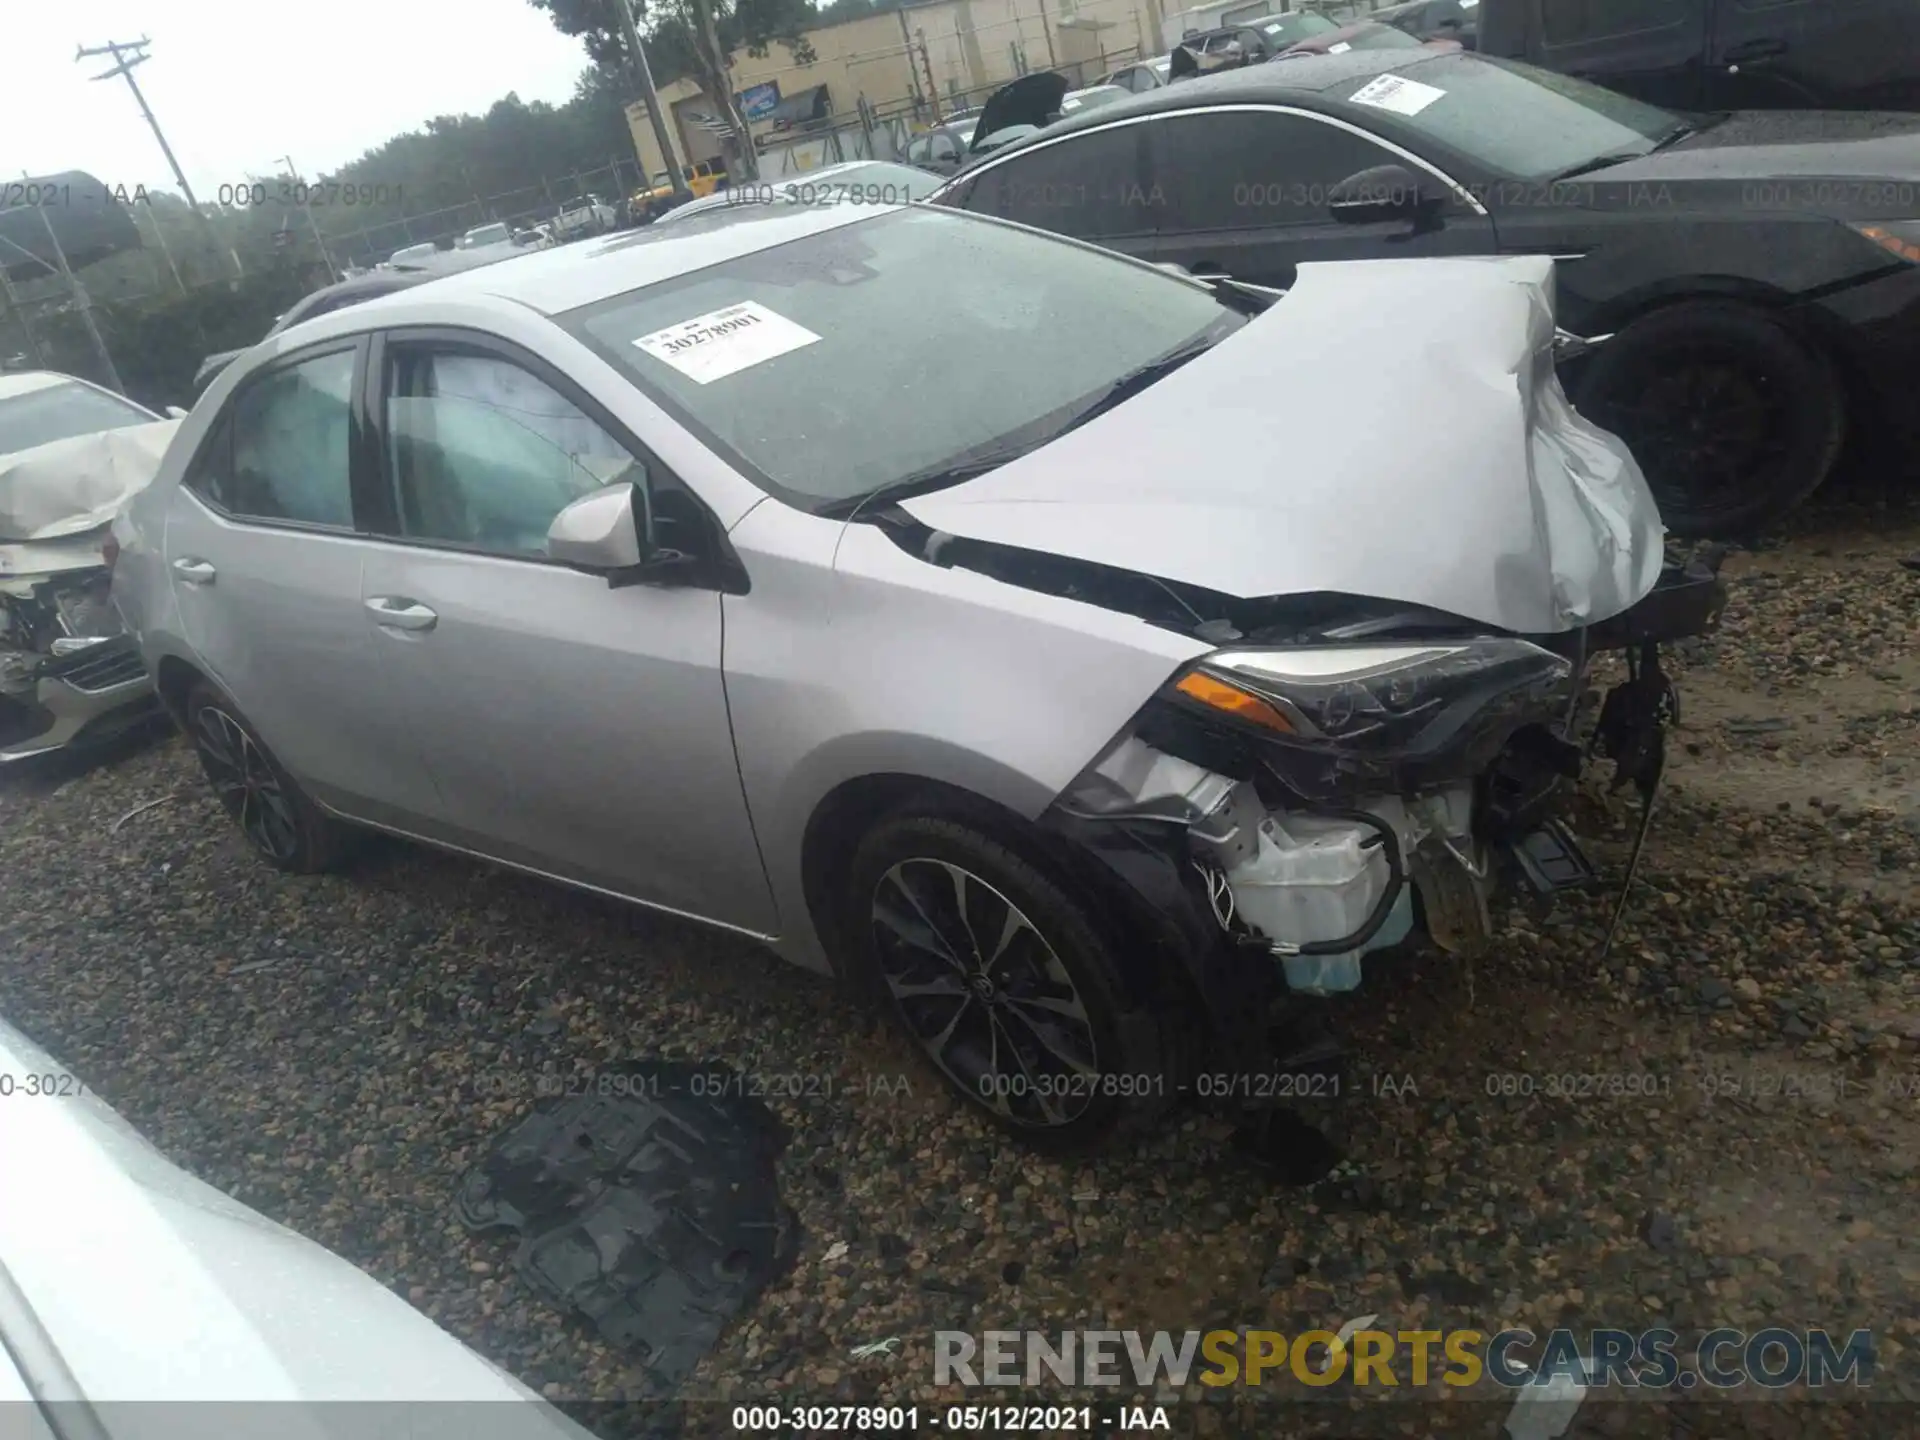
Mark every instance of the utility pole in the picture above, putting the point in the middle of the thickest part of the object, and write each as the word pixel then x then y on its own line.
pixel 80 297
pixel 127 54
pixel 300 189
pixel 913 71
pixel 136 54
pixel 644 73
pixel 1053 62
pixel 926 61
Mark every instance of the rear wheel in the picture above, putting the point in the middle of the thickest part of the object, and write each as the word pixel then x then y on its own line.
pixel 1004 984
pixel 1733 418
pixel 275 817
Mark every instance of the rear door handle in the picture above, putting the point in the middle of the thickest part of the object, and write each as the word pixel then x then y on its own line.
pixel 395 613
pixel 1755 50
pixel 194 572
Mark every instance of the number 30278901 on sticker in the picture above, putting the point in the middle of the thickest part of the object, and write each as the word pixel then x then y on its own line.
pixel 724 342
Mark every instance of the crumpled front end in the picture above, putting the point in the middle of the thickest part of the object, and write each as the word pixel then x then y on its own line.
pixel 69 487
pixel 1328 798
pixel 69 672
pixel 1306 794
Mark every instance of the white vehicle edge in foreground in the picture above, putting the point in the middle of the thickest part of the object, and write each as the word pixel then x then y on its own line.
pixel 124 1281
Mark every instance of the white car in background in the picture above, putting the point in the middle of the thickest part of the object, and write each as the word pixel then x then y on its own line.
pixel 498 233
pixel 125 1281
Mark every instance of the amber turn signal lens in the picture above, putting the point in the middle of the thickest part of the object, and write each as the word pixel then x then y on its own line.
pixel 1887 240
pixel 1219 695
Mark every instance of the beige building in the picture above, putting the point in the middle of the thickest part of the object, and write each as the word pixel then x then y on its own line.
pixel 965 49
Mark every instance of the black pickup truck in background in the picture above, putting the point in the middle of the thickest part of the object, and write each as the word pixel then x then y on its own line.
pixel 1721 54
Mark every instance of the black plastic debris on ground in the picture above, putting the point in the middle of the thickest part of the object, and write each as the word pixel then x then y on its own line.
pixel 649 1206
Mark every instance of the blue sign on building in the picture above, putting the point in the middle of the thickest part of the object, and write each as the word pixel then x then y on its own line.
pixel 759 101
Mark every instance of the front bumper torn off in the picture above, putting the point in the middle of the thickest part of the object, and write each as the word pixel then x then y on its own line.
pixel 79 698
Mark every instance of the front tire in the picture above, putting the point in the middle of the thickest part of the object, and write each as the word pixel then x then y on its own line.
pixel 1734 419
pixel 1003 982
pixel 276 819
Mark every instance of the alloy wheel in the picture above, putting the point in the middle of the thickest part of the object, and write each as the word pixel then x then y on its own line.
pixel 246 783
pixel 985 994
pixel 1700 425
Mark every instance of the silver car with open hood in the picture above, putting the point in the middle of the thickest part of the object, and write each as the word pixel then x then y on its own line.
pixel 1079 660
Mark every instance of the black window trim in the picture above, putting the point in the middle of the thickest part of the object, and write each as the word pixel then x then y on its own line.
pixel 220 432
pixel 721 568
pixel 1462 193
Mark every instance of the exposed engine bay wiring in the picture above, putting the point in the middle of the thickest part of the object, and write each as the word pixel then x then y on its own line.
pixel 1219 892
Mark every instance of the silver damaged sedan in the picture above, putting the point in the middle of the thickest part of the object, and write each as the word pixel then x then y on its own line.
pixel 1087 664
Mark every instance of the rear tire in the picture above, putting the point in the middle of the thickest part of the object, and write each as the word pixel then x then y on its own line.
pixel 1734 419
pixel 1005 985
pixel 276 819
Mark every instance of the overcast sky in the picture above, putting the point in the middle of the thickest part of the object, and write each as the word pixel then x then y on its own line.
pixel 238 83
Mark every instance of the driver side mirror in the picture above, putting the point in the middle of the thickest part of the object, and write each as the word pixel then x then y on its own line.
pixel 1384 192
pixel 614 532
pixel 605 533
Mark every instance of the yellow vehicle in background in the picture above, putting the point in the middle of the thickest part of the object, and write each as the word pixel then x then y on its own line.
pixel 703 178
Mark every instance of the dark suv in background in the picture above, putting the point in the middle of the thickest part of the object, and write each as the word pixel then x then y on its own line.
pixel 1722 54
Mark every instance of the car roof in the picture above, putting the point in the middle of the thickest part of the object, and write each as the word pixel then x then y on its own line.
pixel 1287 82
pixel 25 382
pixel 555 281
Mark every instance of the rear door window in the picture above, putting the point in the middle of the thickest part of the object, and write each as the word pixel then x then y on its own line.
pixel 1238 170
pixel 282 452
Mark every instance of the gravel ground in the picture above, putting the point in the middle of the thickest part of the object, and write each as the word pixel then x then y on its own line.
pixel 337 1051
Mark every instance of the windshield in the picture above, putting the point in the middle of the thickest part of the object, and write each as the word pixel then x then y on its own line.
pixel 60 412
pixel 1285 30
pixel 827 367
pixel 1512 118
pixel 1383 37
pixel 1091 99
pixel 486 235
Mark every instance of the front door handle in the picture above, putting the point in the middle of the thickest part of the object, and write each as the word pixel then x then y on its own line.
pixel 396 613
pixel 1754 50
pixel 194 572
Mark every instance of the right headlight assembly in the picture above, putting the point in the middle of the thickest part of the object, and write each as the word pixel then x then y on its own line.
pixel 1332 718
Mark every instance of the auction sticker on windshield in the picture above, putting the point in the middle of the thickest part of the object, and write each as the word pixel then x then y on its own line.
pixel 1395 93
pixel 712 346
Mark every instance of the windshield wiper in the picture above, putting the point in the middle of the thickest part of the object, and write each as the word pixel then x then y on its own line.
pixel 969 467
pixel 1134 381
pixel 921 482
pixel 1621 157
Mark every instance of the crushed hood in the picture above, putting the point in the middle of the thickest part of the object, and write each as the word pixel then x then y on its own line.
pixel 66 487
pixel 1390 428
